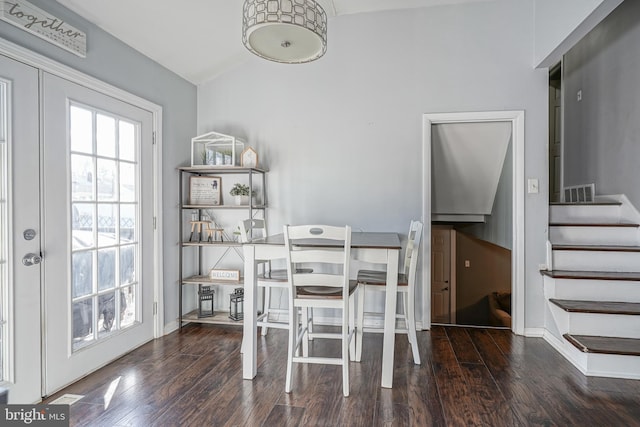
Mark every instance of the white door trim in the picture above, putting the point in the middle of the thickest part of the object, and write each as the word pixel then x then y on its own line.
pixel 517 254
pixel 43 63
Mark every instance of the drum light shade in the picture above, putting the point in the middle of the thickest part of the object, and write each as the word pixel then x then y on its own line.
pixel 288 31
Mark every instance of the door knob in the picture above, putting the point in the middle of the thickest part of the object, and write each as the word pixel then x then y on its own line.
pixel 445 289
pixel 31 259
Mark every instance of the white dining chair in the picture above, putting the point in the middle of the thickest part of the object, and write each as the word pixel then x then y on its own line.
pixel 267 279
pixel 328 249
pixel 374 280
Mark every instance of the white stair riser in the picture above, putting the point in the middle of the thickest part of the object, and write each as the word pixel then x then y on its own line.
pixel 613 365
pixel 584 213
pixel 603 325
pixel 597 290
pixel 596 261
pixel 603 365
pixel 576 235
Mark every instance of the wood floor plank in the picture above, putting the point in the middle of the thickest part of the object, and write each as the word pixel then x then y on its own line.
pixel 193 378
pixel 390 413
pixel 284 416
pixel 507 373
pixel 462 346
pixel 455 394
pixel 490 404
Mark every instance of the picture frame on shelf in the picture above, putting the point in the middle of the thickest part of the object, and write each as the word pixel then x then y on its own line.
pixel 249 158
pixel 205 190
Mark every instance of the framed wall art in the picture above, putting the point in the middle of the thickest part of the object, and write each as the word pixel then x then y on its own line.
pixel 204 190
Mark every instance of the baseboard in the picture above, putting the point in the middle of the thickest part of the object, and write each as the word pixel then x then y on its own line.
pixel 558 346
pixel 534 332
pixel 170 327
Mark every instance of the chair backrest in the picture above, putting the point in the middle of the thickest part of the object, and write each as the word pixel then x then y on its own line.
pixel 411 253
pixel 327 247
pixel 252 229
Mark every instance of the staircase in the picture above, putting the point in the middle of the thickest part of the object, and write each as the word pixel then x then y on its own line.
pixel 593 286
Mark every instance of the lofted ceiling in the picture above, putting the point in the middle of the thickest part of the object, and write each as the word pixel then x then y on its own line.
pixel 199 39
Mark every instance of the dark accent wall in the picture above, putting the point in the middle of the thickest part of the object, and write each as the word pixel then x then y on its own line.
pixel 489 271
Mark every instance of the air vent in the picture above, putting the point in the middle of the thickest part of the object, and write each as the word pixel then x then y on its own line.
pixel 585 193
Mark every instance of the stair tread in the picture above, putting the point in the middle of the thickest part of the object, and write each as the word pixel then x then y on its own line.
pixel 605 345
pixel 602 248
pixel 592 275
pixel 595 224
pixel 607 203
pixel 600 307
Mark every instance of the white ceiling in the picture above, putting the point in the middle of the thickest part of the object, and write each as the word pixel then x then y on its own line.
pixel 199 39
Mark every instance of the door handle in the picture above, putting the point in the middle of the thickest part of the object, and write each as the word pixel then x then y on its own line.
pixel 31 259
pixel 445 289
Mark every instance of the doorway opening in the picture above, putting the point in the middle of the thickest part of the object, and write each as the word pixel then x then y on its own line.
pixel 485 247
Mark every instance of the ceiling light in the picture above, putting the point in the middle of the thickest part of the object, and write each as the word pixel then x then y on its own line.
pixel 289 31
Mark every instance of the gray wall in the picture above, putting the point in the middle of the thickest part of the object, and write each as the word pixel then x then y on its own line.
pixel 559 24
pixel 342 136
pixel 113 62
pixel 602 132
pixel 498 227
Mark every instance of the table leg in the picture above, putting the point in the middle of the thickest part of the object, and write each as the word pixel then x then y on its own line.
pixel 390 318
pixel 250 326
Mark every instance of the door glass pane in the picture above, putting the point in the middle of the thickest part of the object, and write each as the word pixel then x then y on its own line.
pixel 104 226
pixel 105 135
pixel 81 132
pixel 107 221
pixel 82 222
pixel 82 279
pixel 127 306
pixel 82 173
pixel 106 269
pixel 4 226
pixel 127 182
pixel 127 136
pixel 82 323
pixel 106 180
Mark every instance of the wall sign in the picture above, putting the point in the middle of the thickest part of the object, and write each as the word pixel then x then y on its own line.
pixel 36 21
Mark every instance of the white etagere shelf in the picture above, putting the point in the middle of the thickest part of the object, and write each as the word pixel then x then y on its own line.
pixel 256 180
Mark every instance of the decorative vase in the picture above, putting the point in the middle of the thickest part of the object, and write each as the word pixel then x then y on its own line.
pixel 242 200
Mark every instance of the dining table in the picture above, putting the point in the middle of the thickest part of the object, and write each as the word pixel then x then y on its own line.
pixel 372 247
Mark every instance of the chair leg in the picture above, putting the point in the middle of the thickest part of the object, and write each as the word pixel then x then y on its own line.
pixel 352 327
pixel 345 353
pixel 293 334
pixel 409 309
pixel 360 322
pixel 266 308
pixel 305 338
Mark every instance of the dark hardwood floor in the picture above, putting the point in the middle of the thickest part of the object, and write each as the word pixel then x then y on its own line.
pixel 480 377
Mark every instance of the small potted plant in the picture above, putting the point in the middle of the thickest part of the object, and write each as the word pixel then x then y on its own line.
pixel 241 193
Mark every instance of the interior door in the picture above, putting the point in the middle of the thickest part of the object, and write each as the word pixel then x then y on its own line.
pixel 19 231
pixel 98 221
pixel 440 275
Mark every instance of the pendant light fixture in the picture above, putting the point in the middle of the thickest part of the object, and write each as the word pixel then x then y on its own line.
pixel 288 31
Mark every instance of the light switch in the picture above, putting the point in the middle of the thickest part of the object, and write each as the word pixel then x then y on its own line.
pixel 467 263
pixel 532 185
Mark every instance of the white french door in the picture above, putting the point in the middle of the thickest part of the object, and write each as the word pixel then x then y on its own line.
pixel 20 232
pixel 98 229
